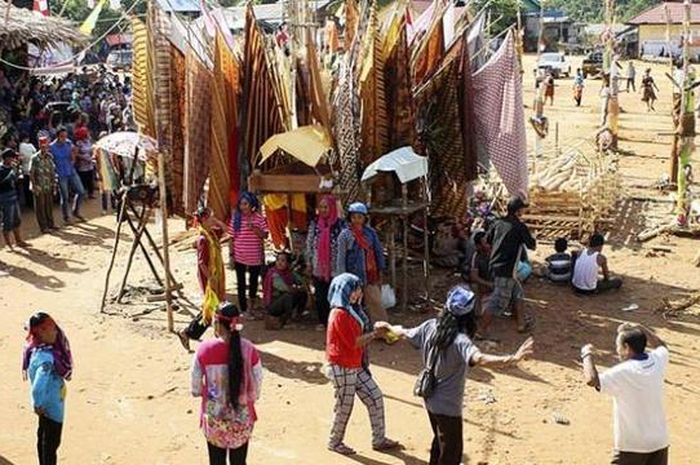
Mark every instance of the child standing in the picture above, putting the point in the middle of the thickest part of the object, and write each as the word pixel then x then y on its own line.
pixel 48 363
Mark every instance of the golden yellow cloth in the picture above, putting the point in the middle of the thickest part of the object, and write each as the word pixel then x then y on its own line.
pixel 307 144
pixel 143 113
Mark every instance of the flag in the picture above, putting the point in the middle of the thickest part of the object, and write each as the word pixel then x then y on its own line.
pixel 90 22
pixel 41 6
pixel 499 117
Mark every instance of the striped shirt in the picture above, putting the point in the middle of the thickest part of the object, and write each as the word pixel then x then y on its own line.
pixel 248 247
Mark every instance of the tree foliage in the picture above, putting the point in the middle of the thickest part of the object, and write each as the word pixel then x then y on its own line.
pixel 593 11
pixel 507 10
pixel 77 11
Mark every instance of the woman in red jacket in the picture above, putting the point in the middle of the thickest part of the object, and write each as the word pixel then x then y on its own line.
pixel 349 331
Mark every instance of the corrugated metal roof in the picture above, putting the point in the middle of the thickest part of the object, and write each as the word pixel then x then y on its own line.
pixel 657 14
pixel 179 6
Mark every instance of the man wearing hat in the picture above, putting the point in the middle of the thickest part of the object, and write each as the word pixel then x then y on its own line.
pixel 360 252
pixel 448 354
pixel 508 237
pixel 42 174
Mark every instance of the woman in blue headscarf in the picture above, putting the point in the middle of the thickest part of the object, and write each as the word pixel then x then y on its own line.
pixel 349 331
pixel 248 231
pixel 448 353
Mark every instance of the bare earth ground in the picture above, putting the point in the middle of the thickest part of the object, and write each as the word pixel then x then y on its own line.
pixel 129 402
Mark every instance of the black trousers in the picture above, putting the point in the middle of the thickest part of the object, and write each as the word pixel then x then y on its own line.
pixel 88 180
pixel 447 440
pixel 285 305
pixel 323 308
pixel 48 440
pixel 217 455
pixel 197 327
pixel 251 287
pixel 659 457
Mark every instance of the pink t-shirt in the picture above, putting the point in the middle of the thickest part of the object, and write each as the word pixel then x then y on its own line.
pixel 248 247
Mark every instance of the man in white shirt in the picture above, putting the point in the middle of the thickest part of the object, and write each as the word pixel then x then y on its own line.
pixel 636 386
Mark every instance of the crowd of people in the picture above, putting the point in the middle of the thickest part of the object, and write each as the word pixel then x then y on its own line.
pixel 62 116
pixel 342 262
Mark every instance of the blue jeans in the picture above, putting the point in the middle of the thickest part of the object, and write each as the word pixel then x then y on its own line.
pixel 65 186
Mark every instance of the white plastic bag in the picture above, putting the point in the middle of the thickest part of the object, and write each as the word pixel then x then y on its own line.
pixel 388 297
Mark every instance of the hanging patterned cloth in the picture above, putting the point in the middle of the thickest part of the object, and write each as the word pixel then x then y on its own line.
pixel 224 167
pixel 500 120
pixel 397 80
pixel 263 108
pixel 375 129
pixel 197 130
pixel 177 119
pixel 142 92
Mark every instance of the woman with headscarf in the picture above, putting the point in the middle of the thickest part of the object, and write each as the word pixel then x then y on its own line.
pixel 227 375
pixel 284 294
pixel 322 251
pixel 248 231
pixel 360 252
pixel 47 363
pixel 210 273
pixel 349 332
pixel 448 353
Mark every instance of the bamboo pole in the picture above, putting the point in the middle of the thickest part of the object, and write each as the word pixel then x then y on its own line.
pixel 166 245
pixel 120 222
pixel 673 162
pixel 687 122
pixel 609 66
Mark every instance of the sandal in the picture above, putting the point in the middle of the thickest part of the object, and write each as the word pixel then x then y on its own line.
pixel 386 444
pixel 342 449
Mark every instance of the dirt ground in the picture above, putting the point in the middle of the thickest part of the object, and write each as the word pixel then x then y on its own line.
pixel 129 401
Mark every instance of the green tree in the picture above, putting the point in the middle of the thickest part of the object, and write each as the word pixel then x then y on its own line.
pixel 506 9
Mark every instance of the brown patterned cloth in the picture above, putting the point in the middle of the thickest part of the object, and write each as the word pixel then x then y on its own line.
pixel 177 120
pixel 440 130
pixel 375 123
pixel 397 78
pixel 197 130
pixel 428 53
pixel 224 166
pixel 466 111
pixel 262 106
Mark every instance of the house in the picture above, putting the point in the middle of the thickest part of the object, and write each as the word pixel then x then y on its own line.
pixel 559 29
pixel 651 26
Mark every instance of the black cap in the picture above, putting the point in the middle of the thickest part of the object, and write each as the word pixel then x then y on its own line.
pixel 515 204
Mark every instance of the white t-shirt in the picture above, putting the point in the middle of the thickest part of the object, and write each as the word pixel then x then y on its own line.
pixel 639 421
pixel 26 151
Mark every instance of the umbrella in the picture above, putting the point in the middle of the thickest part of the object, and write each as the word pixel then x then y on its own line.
pixel 125 144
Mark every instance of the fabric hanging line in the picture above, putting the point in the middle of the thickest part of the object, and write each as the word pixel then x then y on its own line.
pixel 88 47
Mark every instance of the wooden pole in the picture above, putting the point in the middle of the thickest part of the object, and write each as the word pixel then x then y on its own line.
pixel 539 91
pixel 166 245
pixel 120 222
pixel 675 115
pixel 404 217
pixel 687 122
pixel 610 67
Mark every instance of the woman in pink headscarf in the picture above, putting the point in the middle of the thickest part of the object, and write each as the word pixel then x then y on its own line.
pixel 321 250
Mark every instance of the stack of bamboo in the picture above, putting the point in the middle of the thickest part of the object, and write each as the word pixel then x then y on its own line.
pixel 572 194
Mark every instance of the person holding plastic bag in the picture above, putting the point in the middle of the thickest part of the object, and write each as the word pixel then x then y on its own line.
pixel 448 354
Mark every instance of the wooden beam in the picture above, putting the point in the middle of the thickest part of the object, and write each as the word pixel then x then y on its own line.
pixel 298 183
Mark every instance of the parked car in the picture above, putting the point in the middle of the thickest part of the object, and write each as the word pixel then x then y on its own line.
pixel 120 60
pixel 554 62
pixel 592 64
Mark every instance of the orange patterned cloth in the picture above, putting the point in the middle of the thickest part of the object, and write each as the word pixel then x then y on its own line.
pixel 177 120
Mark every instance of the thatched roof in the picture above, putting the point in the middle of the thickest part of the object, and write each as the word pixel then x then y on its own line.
pixel 25 26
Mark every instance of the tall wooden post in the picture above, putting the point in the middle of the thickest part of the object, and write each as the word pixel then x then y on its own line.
pixel 610 67
pixel 687 123
pixel 675 115
pixel 539 94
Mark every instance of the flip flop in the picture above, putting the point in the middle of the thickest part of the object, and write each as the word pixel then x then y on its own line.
pixel 342 449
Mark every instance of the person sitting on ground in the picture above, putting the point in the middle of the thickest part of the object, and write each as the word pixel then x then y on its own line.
pixel 507 237
pixel 284 293
pixel 559 263
pixel 637 387
pixel 585 279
